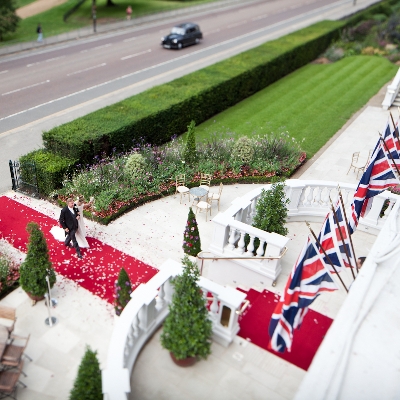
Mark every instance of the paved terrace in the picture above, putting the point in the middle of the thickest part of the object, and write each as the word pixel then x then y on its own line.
pixel 153 233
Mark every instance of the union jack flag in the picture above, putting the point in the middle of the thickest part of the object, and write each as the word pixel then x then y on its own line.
pixel 392 146
pixel 377 177
pixel 308 278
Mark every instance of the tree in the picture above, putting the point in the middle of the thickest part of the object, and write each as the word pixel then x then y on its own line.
pixel 191 237
pixel 271 210
pixel 123 290
pixel 190 152
pixel 8 19
pixel 37 265
pixel 187 329
pixel 87 385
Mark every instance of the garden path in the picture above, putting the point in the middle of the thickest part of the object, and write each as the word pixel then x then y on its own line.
pixel 37 7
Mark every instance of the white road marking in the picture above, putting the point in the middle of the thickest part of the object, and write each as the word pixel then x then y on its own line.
pixel 26 87
pixel 87 69
pixel 130 39
pixel 260 17
pixel 48 60
pixel 97 48
pixel 237 24
pixel 135 55
pixel 3 72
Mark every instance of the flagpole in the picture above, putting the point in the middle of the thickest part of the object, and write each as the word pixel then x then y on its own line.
pixel 390 155
pixel 326 255
pixel 394 126
pixel 341 237
pixel 347 226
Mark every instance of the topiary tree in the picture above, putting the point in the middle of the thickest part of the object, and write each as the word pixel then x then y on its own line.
pixel 123 290
pixel 87 385
pixel 135 166
pixel 191 237
pixel 37 264
pixel 243 150
pixel 271 210
pixel 190 153
pixel 187 329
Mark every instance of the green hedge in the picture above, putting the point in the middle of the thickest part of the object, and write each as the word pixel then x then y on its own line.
pixel 50 169
pixel 161 112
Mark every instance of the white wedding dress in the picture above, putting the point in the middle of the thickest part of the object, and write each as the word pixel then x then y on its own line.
pixel 59 233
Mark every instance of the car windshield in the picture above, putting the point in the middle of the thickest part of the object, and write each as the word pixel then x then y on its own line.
pixel 177 31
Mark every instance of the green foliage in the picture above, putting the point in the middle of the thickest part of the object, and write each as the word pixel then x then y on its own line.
pixel 163 111
pixel 9 274
pixel 271 210
pixel 50 169
pixel 87 385
pixel 37 264
pixel 187 329
pixel 243 150
pixel 135 166
pixel 191 237
pixel 123 290
pixel 190 153
pixel 8 19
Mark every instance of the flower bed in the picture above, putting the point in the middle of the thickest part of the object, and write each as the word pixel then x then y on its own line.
pixel 122 182
pixel 9 274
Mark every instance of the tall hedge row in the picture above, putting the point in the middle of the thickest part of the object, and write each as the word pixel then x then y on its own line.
pixel 161 112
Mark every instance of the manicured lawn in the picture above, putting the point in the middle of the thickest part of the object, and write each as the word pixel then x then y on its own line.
pixel 312 103
pixel 53 24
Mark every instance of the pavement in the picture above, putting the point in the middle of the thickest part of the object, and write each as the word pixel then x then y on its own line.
pixel 153 233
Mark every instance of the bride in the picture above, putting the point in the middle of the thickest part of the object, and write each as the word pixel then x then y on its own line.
pixel 59 233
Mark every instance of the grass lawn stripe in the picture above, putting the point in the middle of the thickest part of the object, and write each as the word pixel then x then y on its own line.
pixel 312 103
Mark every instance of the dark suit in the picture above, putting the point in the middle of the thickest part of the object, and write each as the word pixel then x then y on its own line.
pixel 68 220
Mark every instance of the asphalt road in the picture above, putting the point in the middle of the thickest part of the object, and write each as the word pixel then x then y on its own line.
pixel 43 88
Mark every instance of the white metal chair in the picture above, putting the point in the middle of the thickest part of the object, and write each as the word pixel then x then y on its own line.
pixel 203 206
pixel 357 167
pixel 180 182
pixel 216 196
pixel 205 180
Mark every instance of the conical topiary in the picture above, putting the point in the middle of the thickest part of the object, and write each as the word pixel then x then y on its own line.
pixel 190 153
pixel 187 329
pixel 87 385
pixel 123 290
pixel 191 237
pixel 37 264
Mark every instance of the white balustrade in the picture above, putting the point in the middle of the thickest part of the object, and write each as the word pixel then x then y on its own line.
pixel 391 92
pixel 146 311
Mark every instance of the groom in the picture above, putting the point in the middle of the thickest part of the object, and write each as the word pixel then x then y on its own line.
pixel 69 221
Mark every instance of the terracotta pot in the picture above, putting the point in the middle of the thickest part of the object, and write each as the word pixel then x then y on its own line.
pixel 186 362
pixel 35 298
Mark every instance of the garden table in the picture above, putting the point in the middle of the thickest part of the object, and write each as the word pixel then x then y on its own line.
pixel 198 192
pixel 3 339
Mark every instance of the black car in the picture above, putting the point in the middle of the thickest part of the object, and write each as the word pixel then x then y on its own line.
pixel 182 35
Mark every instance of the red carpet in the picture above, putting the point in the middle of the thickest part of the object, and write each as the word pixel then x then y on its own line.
pixel 101 263
pixel 255 321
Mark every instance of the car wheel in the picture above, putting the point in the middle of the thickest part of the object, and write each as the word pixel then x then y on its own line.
pixel 179 45
pixel 197 41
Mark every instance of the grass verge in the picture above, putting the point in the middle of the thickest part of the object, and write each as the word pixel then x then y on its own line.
pixel 312 103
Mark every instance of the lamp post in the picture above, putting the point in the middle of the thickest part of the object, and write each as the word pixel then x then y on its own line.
pixel 94 15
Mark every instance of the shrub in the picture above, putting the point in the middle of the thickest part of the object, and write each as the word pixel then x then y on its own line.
pixel 50 169
pixel 243 150
pixel 191 237
pixel 187 329
pixel 9 274
pixel 87 385
pixel 37 265
pixel 189 153
pixel 123 290
pixel 135 166
pixel 271 210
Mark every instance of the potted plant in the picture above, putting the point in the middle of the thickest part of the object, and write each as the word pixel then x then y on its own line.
pixel 187 329
pixel 191 237
pixel 37 265
pixel 123 290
